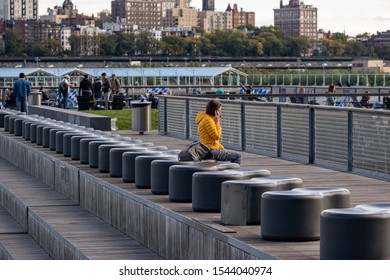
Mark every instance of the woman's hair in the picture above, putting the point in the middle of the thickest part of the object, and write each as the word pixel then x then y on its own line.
pixel 212 106
pixel 331 88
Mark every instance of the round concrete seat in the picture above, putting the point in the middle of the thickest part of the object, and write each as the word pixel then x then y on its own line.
pixel 46 133
pixel 128 163
pixel 143 168
pixel 60 139
pixel 295 215
pixel 33 129
pixel 7 121
pixel 39 132
pixel 159 174
pixel 104 152
pixel 355 234
pixel 180 178
pixel 93 150
pixel 206 186
pixel 241 199
pixel 66 141
pixel 115 158
pixel 104 155
pixel 75 142
pixel 4 113
pixel 52 136
pixel 84 147
pixel 18 126
pixel 11 123
pixel 27 127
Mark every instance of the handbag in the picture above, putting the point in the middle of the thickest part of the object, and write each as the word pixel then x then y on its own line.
pixel 195 151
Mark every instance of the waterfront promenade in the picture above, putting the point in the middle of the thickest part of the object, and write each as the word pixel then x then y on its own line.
pixel 198 229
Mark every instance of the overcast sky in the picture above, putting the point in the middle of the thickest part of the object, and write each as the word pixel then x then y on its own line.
pixel 355 17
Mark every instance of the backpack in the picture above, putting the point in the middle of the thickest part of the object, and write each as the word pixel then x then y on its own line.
pixel 195 151
pixel 63 87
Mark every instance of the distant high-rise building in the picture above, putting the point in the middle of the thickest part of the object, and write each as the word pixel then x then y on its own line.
pixel 19 9
pixel 297 19
pixel 208 5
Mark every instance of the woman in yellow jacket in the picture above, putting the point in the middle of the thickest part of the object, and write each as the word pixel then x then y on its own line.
pixel 209 129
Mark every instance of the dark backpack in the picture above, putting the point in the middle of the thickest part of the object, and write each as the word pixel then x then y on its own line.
pixel 63 87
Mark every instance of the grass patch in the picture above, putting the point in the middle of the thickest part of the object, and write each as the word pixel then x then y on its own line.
pixel 124 117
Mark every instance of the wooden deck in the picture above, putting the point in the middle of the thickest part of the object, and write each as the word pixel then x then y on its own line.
pixel 363 190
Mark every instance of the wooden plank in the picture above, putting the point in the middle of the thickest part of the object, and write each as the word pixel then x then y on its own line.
pixel 21 247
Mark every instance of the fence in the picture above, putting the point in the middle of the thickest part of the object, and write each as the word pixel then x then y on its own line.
pixel 347 139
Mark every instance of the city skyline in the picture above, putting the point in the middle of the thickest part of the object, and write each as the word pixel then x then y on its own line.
pixel 333 15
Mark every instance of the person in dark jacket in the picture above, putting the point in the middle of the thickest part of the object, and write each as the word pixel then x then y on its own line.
pixel 106 89
pixel 85 88
pixel 21 90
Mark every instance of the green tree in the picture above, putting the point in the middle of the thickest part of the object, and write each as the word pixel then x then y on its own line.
pixel 108 44
pixel 125 44
pixel 13 43
pixel 38 50
pixel 356 49
pixel 144 43
pixel 75 44
pixel 297 46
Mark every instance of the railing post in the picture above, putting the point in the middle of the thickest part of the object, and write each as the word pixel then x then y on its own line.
pixel 312 135
pixel 187 119
pixel 350 140
pixel 165 117
pixel 279 131
pixel 243 133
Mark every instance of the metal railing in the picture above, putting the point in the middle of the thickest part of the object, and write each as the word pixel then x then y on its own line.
pixel 346 139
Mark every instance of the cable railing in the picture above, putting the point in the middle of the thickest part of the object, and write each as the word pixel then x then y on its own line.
pixel 347 139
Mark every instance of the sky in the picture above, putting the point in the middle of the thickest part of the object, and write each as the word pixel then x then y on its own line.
pixel 352 16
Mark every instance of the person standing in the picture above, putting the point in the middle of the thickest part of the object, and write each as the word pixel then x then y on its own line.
pixel 85 88
pixel 331 100
pixel 97 88
pixel 105 90
pixel 115 85
pixel 21 90
pixel 210 131
pixel 64 87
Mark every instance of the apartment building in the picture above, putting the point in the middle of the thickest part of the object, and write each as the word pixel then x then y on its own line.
pixel 297 19
pixel 19 9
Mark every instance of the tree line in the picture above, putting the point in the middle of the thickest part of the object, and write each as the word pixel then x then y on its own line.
pixel 255 42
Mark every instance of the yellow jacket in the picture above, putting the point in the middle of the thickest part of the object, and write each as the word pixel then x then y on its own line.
pixel 209 131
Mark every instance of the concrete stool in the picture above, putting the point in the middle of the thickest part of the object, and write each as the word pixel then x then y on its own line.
pixel 66 141
pixel 4 113
pixel 143 168
pixel 11 123
pixel 52 136
pixel 295 215
pixel 206 186
pixel 359 233
pixel 115 158
pixel 26 129
pixel 84 147
pixel 6 121
pixel 180 178
pixel 104 154
pixel 93 150
pixel 46 133
pixel 18 126
pixel 159 174
pixel 39 132
pixel 60 139
pixel 75 144
pixel 33 129
pixel 241 199
pixel 128 164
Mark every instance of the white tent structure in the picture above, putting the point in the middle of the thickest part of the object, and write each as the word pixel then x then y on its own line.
pixel 189 76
